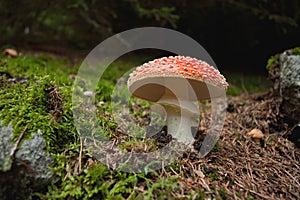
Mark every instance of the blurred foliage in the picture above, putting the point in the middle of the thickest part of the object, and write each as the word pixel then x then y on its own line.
pixel 246 84
pixel 81 22
pixel 226 28
pixel 77 21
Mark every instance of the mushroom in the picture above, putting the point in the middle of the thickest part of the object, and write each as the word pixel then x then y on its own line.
pixel 11 53
pixel 177 83
pixel 256 134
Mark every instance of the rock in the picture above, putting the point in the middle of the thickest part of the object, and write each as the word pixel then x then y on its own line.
pixel 289 88
pixel 284 71
pixel 5 147
pixel 28 171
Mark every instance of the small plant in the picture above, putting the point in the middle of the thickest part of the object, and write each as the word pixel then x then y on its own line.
pixel 296 51
pixel 223 193
pixel 273 61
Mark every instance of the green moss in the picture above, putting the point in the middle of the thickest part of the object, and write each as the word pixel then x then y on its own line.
pixel 201 195
pixel 96 181
pixel 42 102
pixel 296 51
pixel 44 65
pixel 211 173
pixel 213 176
pixel 223 194
pixel 273 61
pixel 161 188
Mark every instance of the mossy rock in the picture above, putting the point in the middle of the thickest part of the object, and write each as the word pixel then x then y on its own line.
pixel 273 66
pixel 36 104
pixel 284 71
pixel 27 170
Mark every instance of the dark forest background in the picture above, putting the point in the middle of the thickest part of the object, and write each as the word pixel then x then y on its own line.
pixel 240 35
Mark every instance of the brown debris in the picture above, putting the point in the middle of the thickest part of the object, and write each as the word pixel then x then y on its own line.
pixel 242 168
pixel 54 102
pixel 239 167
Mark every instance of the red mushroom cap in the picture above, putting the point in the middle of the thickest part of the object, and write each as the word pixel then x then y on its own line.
pixel 206 81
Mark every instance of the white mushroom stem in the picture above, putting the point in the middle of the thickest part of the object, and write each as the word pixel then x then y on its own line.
pixel 179 123
pixel 180 114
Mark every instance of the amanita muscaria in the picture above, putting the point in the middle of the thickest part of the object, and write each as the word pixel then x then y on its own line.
pixel 177 83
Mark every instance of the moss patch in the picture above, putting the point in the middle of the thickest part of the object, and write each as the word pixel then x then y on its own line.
pixel 42 101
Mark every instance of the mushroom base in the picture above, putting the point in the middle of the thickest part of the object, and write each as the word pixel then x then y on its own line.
pixel 179 123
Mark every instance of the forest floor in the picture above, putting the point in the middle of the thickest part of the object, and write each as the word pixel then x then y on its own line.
pixel 238 167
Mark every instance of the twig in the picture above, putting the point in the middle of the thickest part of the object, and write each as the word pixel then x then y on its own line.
pixel 13 150
pixel 237 123
pixel 291 176
pixel 252 191
pixel 174 171
pixel 77 168
pixel 80 155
